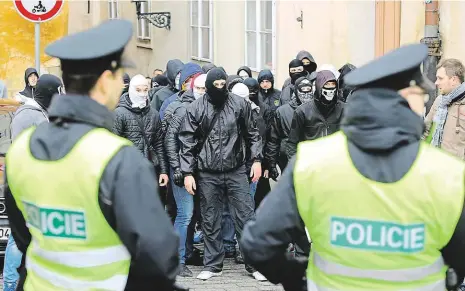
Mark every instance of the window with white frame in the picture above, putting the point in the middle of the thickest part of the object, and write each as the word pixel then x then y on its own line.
pixel 201 30
pixel 143 25
pixel 260 34
pixel 113 9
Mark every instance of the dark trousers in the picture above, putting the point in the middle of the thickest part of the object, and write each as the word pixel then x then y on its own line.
pixel 263 188
pixel 191 227
pixel 213 188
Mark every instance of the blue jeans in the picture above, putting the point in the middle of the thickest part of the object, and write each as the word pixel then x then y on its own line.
pixel 185 209
pixel 227 224
pixel 13 258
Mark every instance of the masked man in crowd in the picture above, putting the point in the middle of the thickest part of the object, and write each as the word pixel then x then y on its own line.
pixel 310 66
pixel 216 131
pixel 296 70
pixel 173 69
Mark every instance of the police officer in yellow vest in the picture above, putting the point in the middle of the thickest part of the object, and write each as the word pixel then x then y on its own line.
pixel 83 202
pixel 384 210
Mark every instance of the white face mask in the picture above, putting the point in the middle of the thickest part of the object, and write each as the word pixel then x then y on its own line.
pixel 328 94
pixel 138 99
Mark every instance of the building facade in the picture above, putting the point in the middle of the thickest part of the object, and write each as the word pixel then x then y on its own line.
pixel 269 33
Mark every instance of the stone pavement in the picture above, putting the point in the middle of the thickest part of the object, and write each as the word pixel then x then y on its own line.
pixel 234 278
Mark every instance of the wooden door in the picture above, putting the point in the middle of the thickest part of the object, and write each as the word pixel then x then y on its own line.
pixel 387 27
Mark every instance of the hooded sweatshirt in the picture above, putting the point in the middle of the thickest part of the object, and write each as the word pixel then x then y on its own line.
pixel 311 68
pixel 34 112
pixel 28 91
pixel 207 67
pixel 245 69
pixel 173 67
pixel 189 70
pixel 345 90
pixel 269 96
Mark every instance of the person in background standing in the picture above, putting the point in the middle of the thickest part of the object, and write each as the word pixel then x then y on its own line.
pixel 30 79
pixel 173 69
pixel 244 72
pixel 296 70
pixel 126 80
pixel 207 67
pixel 309 65
pixel 158 82
pixel 268 94
pixel 157 72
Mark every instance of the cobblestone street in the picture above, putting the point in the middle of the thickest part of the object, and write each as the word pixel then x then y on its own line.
pixel 234 278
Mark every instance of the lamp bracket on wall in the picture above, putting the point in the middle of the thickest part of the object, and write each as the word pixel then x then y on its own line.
pixel 157 19
pixel 301 19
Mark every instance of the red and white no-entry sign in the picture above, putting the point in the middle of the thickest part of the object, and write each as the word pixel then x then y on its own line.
pixel 38 11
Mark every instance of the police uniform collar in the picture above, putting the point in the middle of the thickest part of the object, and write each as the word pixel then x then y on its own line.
pixel 81 109
pixel 395 70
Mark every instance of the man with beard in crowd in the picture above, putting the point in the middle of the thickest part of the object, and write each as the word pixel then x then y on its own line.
pixel 276 144
pixel 309 64
pixel 30 80
pixel 267 93
pixel 173 69
pixel 184 200
pixel 296 70
pixel 216 131
pixel 320 117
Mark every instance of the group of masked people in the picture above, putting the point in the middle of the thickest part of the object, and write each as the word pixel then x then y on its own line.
pixel 216 139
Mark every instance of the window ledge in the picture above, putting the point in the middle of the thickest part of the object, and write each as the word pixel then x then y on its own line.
pixel 203 60
pixel 144 44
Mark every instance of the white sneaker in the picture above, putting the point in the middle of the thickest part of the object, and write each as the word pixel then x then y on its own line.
pixel 259 277
pixel 205 275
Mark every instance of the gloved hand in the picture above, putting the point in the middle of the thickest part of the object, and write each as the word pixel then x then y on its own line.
pixel 273 172
pixel 178 178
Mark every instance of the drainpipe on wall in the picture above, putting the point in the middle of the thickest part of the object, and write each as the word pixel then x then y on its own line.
pixel 433 41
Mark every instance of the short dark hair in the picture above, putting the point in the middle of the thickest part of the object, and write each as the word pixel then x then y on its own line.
pixel 453 67
pixel 158 70
pixel 79 84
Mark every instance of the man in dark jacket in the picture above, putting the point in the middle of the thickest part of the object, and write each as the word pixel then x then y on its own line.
pixel 296 70
pixel 216 131
pixel 158 82
pixel 244 72
pixel 188 73
pixel 137 121
pixel 320 117
pixel 125 191
pixel 173 68
pixel 309 63
pixel 276 142
pixel 267 93
pixel 344 90
pixel 30 80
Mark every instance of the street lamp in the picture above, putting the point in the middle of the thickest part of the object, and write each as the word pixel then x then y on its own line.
pixel 158 19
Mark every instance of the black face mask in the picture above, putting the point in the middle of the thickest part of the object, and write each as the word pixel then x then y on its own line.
pixel 295 64
pixel 217 95
pixel 47 86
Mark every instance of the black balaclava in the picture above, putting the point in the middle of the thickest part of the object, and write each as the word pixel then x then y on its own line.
pixel 126 80
pixel 159 80
pixel 47 86
pixel 303 90
pixel 233 80
pixel 207 67
pixel 254 87
pixel 344 90
pixel 217 96
pixel 266 75
pixel 295 63
pixel 245 69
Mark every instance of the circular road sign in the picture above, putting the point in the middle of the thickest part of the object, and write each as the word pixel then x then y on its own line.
pixel 38 11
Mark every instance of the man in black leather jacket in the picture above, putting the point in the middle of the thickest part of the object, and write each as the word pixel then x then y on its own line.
pixel 276 142
pixel 213 158
pixel 320 117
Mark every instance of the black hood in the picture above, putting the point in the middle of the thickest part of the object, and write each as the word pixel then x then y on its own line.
pixel 306 55
pixel 344 90
pixel 173 67
pixel 125 102
pixel 216 96
pixel 254 88
pixel 294 76
pixel 27 88
pixel 233 80
pixel 380 120
pixel 207 67
pixel 245 68
pixel 47 86
pixel 266 75
pixel 159 81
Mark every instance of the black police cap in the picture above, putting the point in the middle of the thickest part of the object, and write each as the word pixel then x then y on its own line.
pixel 395 70
pixel 95 50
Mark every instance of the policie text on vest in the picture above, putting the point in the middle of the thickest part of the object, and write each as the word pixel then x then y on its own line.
pixel 374 235
pixel 62 223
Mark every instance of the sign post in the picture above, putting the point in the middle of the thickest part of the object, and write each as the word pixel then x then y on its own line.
pixel 38 11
